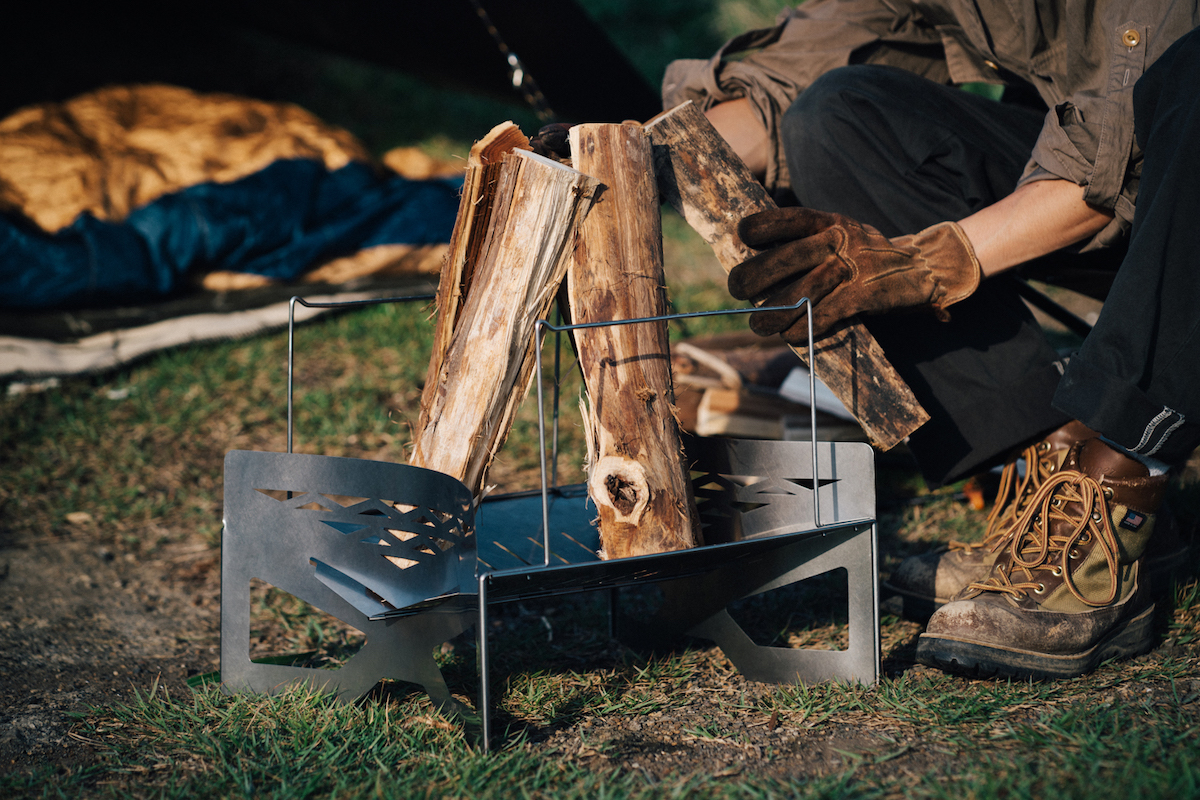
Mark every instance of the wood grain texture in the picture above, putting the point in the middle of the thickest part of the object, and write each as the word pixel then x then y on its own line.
pixel 637 475
pixel 536 207
pixel 702 178
pixel 466 241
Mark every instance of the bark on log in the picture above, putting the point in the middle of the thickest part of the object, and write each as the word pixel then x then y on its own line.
pixel 470 230
pixel 637 475
pixel 536 206
pixel 702 178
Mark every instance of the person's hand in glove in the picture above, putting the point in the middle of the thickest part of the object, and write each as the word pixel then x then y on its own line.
pixel 846 268
pixel 552 141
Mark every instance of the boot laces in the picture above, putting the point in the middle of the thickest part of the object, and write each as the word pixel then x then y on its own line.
pixel 1013 495
pixel 1081 503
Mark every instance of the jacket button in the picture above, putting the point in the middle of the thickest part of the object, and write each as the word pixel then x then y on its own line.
pixel 1131 38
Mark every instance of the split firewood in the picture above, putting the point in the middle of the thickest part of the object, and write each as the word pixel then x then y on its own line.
pixel 502 276
pixel 725 376
pixel 470 229
pixel 732 360
pixel 702 178
pixel 637 475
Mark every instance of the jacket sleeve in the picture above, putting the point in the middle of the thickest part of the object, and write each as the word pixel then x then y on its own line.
pixel 1088 136
pixel 771 66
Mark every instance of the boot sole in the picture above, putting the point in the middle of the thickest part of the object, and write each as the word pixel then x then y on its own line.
pixel 1131 638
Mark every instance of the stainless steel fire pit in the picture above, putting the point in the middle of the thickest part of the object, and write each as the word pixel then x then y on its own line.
pixel 320 527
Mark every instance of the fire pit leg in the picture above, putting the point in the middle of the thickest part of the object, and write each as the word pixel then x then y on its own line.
pixel 321 529
pixel 485 689
pixel 859 662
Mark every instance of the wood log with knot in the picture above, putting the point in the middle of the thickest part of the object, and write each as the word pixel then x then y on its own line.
pixel 637 475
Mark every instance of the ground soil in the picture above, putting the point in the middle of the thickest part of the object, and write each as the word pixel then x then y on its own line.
pixel 87 624
pixel 82 625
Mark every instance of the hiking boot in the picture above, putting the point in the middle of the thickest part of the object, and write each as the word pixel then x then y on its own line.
pixel 927 581
pixel 1063 594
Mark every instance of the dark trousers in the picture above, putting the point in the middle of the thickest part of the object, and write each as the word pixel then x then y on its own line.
pixel 901 153
pixel 1137 377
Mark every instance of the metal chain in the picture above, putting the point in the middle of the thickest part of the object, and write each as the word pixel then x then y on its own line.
pixel 522 80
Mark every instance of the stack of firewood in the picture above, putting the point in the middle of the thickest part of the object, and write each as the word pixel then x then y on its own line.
pixel 529 225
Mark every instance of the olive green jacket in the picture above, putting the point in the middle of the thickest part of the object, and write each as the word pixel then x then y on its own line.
pixel 1084 65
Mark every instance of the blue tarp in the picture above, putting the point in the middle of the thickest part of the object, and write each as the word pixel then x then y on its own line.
pixel 279 222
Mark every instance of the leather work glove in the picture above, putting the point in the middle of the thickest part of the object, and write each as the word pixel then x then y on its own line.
pixel 552 141
pixel 845 268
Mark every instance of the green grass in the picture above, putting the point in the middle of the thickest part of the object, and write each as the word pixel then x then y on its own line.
pixel 140 449
pixel 299 745
pixel 147 469
pixel 146 459
pixel 1114 739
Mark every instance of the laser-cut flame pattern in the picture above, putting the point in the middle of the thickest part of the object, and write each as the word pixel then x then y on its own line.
pixel 727 503
pixel 406 535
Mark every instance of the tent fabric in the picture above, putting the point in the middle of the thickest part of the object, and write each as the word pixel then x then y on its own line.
pixel 118 148
pixel 25 358
pixel 277 223
pixel 158 194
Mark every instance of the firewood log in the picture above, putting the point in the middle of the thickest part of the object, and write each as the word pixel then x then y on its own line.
pixel 637 475
pixel 702 178
pixel 506 282
pixel 466 240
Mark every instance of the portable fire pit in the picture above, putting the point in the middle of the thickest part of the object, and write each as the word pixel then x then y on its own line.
pixel 319 526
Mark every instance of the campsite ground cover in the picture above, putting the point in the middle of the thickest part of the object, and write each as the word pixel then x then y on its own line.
pixel 110 515
pixel 110 509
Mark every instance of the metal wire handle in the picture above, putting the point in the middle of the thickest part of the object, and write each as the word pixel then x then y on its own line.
pixel 538 327
pixel 543 324
pixel 334 304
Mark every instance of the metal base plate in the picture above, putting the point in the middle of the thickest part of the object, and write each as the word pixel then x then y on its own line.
pixel 399 553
